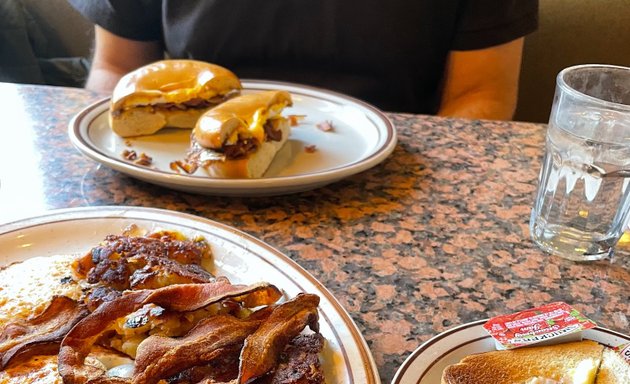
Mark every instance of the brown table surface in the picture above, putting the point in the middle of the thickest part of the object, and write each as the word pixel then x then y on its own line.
pixel 435 236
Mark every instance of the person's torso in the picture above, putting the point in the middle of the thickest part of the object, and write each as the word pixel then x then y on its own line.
pixel 389 52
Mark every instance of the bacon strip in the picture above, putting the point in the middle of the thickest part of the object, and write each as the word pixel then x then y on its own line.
pixel 40 335
pixel 326 126
pixel 190 297
pixel 182 298
pixel 262 349
pixel 161 357
pixel 223 368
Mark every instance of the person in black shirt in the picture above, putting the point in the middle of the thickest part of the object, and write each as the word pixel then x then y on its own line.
pixel 448 57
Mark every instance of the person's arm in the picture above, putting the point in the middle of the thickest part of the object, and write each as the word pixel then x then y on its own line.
pixel 114 56
pixel 482 84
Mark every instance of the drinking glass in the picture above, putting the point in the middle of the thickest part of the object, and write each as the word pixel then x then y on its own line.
pixel 583 200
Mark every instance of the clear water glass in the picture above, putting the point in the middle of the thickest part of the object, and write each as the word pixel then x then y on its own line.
pixel 583 201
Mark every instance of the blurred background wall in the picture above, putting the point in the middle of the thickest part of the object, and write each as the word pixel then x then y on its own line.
pixel 570 32
pixel 43 42
pixel 69 33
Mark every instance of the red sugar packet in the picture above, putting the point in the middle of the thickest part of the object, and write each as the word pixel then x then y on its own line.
pixel 555 321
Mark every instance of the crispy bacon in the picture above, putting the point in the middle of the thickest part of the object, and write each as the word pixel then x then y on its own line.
pixel 310 148
pixel 161 357
pixel 299 363
pixel 129 155
pixel 261 352
pixel 294 120
pixel 144 160
pixel 209 351
pixel 272 130
pixel 40 335
pixel 181 298
pixel 194 103
pixel 190 297
pixel 184 165
pixel 240 149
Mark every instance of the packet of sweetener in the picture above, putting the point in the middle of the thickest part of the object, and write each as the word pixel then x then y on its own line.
pixel 549 324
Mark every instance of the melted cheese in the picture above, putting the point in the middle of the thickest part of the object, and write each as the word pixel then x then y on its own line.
pixel 256 125
pixel 260 117
pixel 27 288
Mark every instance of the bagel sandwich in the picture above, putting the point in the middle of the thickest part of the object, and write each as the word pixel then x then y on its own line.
pixel 240 137
pixel 168 93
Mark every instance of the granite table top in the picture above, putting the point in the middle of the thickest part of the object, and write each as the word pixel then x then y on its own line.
pixel 433 237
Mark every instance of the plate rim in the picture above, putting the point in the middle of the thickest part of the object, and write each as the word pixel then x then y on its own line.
pixel 404 367
pixel 372 159
pixel 130 212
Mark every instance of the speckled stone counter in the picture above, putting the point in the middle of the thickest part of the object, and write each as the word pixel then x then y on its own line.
pixel 435 236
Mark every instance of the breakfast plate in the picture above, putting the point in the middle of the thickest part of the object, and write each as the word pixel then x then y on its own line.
pixel 426 363
pixel 362 137
pixel 241 257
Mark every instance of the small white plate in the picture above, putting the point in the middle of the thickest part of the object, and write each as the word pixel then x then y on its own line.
pixel 241 257
pixel 362 137
pixel 425 364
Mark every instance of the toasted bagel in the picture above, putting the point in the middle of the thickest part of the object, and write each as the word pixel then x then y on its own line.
pixel 240 138
pixel 168 93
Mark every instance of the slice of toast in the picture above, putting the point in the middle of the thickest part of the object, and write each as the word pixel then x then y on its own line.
pixel 613 370
pixel 575 362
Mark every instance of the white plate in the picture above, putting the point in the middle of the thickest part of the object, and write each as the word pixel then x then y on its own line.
pixel 363 137
pixel 425 364
pixel 240 257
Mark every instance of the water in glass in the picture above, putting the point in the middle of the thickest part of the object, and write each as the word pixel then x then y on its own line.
pixel 578 212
